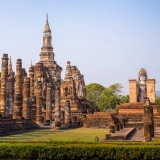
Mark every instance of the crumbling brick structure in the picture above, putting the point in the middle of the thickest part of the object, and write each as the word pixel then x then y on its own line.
pixel 37 96
pixel 73 93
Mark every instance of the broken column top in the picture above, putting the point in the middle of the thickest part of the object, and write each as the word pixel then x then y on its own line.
pixel 19 61
pixel 5 55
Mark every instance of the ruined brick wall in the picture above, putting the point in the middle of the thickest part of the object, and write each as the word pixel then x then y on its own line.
pixel 133 90
pixel 151 89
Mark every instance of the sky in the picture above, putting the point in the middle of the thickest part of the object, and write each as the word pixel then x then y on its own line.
pixel 108 40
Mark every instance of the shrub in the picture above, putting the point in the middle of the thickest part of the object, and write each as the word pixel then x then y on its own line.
pixel 78 150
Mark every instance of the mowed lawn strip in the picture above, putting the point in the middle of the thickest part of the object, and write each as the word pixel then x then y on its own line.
pixel 78 134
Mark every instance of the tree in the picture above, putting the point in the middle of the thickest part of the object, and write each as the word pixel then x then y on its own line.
pixel 124 99
pixel 111 97
pixel 94 92
pixel 102 98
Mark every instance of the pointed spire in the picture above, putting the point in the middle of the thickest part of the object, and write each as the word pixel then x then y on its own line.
pixel 47 28
pixel 10 65
pixel 47 19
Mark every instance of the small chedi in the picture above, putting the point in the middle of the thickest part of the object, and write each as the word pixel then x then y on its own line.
pixel 73 92
pixel 41 97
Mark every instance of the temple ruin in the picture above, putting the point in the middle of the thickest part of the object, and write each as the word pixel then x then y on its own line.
pixel 40 96
pixel 138 90
pixel 139 115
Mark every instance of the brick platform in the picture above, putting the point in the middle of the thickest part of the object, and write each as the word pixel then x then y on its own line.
pixel 9 126
pixel 100 119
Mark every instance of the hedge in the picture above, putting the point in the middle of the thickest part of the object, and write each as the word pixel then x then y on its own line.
pixel 78 150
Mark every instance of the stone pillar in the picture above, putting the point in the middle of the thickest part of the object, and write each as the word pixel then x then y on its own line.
pixel 26 98
pixel 150 84
pixel 133 90
pixel 17 110
pixel 10 90
pixel 38 77
pixel 31 75
pixel 32 96
pixel 57 108
pixel 39 103
pixel 24 74
pixel 148 121
pixel 4 78
pixel 48 105
pixel 67 112
pixel 10 94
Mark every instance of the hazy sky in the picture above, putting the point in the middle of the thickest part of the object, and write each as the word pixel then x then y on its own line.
pixel 108 40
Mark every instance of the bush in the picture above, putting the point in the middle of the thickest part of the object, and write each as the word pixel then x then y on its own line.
pixel 78 150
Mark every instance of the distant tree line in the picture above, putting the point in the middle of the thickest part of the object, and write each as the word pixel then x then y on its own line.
pixel 105 99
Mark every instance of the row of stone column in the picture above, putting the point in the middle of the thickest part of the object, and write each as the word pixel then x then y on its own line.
pixel 11 99
pixel 22 95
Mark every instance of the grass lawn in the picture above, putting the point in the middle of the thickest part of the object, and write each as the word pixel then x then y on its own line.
pixel 78 134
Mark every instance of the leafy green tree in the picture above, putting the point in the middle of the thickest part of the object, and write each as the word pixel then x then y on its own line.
pixel 124 99
pixel 94 92
pixel 110 97
pixel 102 98
pixel 115 88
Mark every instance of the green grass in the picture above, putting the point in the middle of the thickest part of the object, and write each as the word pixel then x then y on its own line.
pixel 78 134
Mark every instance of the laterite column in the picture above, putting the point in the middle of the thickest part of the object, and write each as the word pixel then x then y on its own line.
pixel 26 98
pixel 39 103
pixel 10 90
pixel 4 78
pixel 32 96
pixel 39 71
pixel 17 110
pixel 48 104
pixel 57 108
pixel 148 121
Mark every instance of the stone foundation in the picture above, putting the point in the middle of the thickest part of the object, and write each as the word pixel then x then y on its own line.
pixel 133 112
pixel 10 126
pixel 100 119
